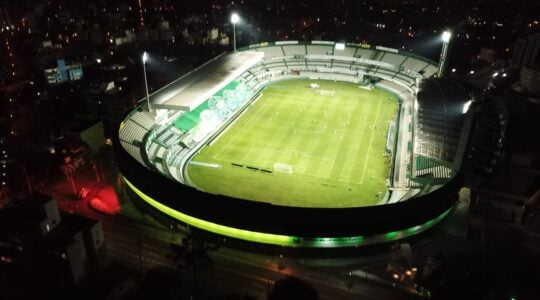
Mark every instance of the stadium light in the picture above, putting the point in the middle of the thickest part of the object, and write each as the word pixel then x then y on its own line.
pixel 144 59
pixel 234 19
pixel 443 60
pixel 466 106
pixel 446 36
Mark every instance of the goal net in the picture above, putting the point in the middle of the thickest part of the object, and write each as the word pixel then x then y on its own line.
pixel 326 93
pixel 367 87
pixel 283 168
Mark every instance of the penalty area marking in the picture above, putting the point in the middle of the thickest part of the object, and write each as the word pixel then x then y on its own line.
pixel 198 163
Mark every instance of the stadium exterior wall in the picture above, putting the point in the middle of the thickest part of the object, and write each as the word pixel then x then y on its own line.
pixel 290 225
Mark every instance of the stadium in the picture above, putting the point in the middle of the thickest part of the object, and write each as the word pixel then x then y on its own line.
pixel 301 144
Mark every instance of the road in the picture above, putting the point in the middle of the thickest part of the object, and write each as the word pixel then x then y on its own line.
pixel 140 243
pixel 145 247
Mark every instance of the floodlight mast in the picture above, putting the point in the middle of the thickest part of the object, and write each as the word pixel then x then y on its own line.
pixel 234 19
pixel 446 36
pixel 144 59
pixel 443 61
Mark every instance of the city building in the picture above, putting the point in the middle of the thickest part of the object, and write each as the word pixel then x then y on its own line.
pixel 45 246
pixel 63 73
pixel 504 154
pixel 526 57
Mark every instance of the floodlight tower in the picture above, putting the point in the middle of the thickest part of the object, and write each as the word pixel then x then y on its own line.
pixel 234 19
pixel 144 59
pixel 443 61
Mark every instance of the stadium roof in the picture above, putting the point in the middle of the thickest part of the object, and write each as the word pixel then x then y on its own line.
pixel 190 90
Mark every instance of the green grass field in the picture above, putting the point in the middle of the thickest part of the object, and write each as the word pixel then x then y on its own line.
pixel 334 146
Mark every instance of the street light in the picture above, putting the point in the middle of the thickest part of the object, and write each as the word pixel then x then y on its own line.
pixel 144 59
pixel 234 19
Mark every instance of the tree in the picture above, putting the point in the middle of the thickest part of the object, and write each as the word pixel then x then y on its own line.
pixel 193 252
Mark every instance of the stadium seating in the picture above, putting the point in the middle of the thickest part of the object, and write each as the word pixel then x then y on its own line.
pixel 295 50
pixel 394 59
pixel 439 124
pixel 347 52
pixel 134 150
pixel 165 148
pixel 486 150
pixel 313 57
pixel 414 64
pixel 320 49
pixel 133 131
pixel 143 119
pixel 365 53
pixel 273 51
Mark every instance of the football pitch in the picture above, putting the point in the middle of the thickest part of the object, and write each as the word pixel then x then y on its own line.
pixel 295 146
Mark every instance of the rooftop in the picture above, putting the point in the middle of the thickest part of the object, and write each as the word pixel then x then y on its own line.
pixel 190 90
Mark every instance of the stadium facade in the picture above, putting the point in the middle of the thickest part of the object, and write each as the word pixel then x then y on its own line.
pixel 427 143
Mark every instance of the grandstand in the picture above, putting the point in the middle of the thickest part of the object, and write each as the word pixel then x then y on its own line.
pixel 440 121
pixel 423 144
pixel 190 90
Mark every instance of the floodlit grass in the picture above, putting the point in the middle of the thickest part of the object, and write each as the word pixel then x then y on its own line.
pixel 335 146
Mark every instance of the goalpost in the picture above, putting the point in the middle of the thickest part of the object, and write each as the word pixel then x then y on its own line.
pixel 326 93
pixel 283 168
pixel 317 89
pixel 367 87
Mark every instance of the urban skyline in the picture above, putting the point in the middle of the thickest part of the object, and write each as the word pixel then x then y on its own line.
pixel 73 71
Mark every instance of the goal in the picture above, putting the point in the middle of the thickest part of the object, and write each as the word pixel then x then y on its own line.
pixel 283 168
pixel 326 93
pixel 367 87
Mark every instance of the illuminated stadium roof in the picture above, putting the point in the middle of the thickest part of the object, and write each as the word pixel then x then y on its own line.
pixel 190 90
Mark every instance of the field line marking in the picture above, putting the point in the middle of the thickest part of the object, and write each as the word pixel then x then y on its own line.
pixel 258 109
pixel 280 128
pixel 199 163
pixel 235 119
pixel 356 127
pixel 369 144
